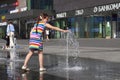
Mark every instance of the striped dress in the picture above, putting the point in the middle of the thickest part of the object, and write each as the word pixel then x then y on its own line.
pixel 35 42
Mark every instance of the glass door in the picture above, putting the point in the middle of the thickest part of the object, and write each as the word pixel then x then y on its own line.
pixel 108 26
pixel 108 29
pixel 102 27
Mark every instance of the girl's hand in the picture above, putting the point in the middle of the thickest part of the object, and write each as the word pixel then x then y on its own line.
pixel 66 31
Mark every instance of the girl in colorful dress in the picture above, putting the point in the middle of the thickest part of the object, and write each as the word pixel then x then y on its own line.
pixel 35 42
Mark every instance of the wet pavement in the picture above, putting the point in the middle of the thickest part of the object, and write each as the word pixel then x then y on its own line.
pixel 58 68
pixel 92 63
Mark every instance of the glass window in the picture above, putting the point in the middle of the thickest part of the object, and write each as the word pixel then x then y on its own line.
pixel 81 26
pixel 118 26
pixel 98 25
pixel 42 4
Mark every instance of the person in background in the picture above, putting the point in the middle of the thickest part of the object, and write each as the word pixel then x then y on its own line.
pixel 7 41
pixel 10 32
pixel 36 42
pixel 47 34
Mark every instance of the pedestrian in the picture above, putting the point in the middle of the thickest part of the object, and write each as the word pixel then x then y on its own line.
pixel 36 43
pixel 47 34
pixel 10 33
pixel 7 41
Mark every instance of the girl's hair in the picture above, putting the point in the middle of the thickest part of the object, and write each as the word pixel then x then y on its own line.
pixel 43 16
pixel 40 17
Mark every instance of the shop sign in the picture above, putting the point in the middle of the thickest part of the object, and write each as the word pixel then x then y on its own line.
pixel 61 15
pixel 104 8
pixel 79 12
pixel 3 24
pixel 18 10
pixel 8 4
pixel 23 9
pixel 14 11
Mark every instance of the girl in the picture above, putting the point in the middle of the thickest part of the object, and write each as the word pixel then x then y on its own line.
pixel 35 42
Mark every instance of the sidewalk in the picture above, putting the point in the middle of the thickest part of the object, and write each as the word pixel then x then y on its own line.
pixel 105 49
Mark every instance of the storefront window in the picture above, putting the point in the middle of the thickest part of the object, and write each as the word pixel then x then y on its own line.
pixel 118 26
pixel 71 24
pixel 88 26
pixel 57 34
pixel 98 25
pixel 108 27
pixel 118 30
pixel 80 21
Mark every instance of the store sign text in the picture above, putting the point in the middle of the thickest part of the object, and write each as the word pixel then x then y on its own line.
pixel 103 8
pixel 3 24
pixel 79 12
pixel 23 9
pixel 18 10
pixel 14 11
pixel 61 15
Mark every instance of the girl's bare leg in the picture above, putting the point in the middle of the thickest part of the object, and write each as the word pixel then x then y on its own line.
pixel 40 54
pixel 28 57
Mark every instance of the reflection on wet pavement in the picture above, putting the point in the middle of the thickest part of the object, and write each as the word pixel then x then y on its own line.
pixel 79 69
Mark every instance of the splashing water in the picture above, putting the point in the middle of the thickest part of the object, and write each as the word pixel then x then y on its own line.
pixel 14 56
pixel 72 48
pixel 75 68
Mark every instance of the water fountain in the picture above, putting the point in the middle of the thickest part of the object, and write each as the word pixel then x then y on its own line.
pixel 72 49
pixel 74 67
pixel 68 63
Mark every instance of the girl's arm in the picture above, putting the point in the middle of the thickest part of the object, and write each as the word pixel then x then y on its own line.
pixel 55 28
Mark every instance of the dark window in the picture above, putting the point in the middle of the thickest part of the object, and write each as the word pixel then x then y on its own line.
pixel 42 4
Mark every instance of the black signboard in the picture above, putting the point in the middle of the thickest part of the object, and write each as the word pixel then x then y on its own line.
pixel 90 11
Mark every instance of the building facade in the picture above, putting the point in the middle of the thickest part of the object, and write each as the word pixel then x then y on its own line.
pixel 89 19
pixel 5 8
pixel 23 14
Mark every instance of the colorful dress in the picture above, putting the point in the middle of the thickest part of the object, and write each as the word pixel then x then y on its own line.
pixel 35 42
